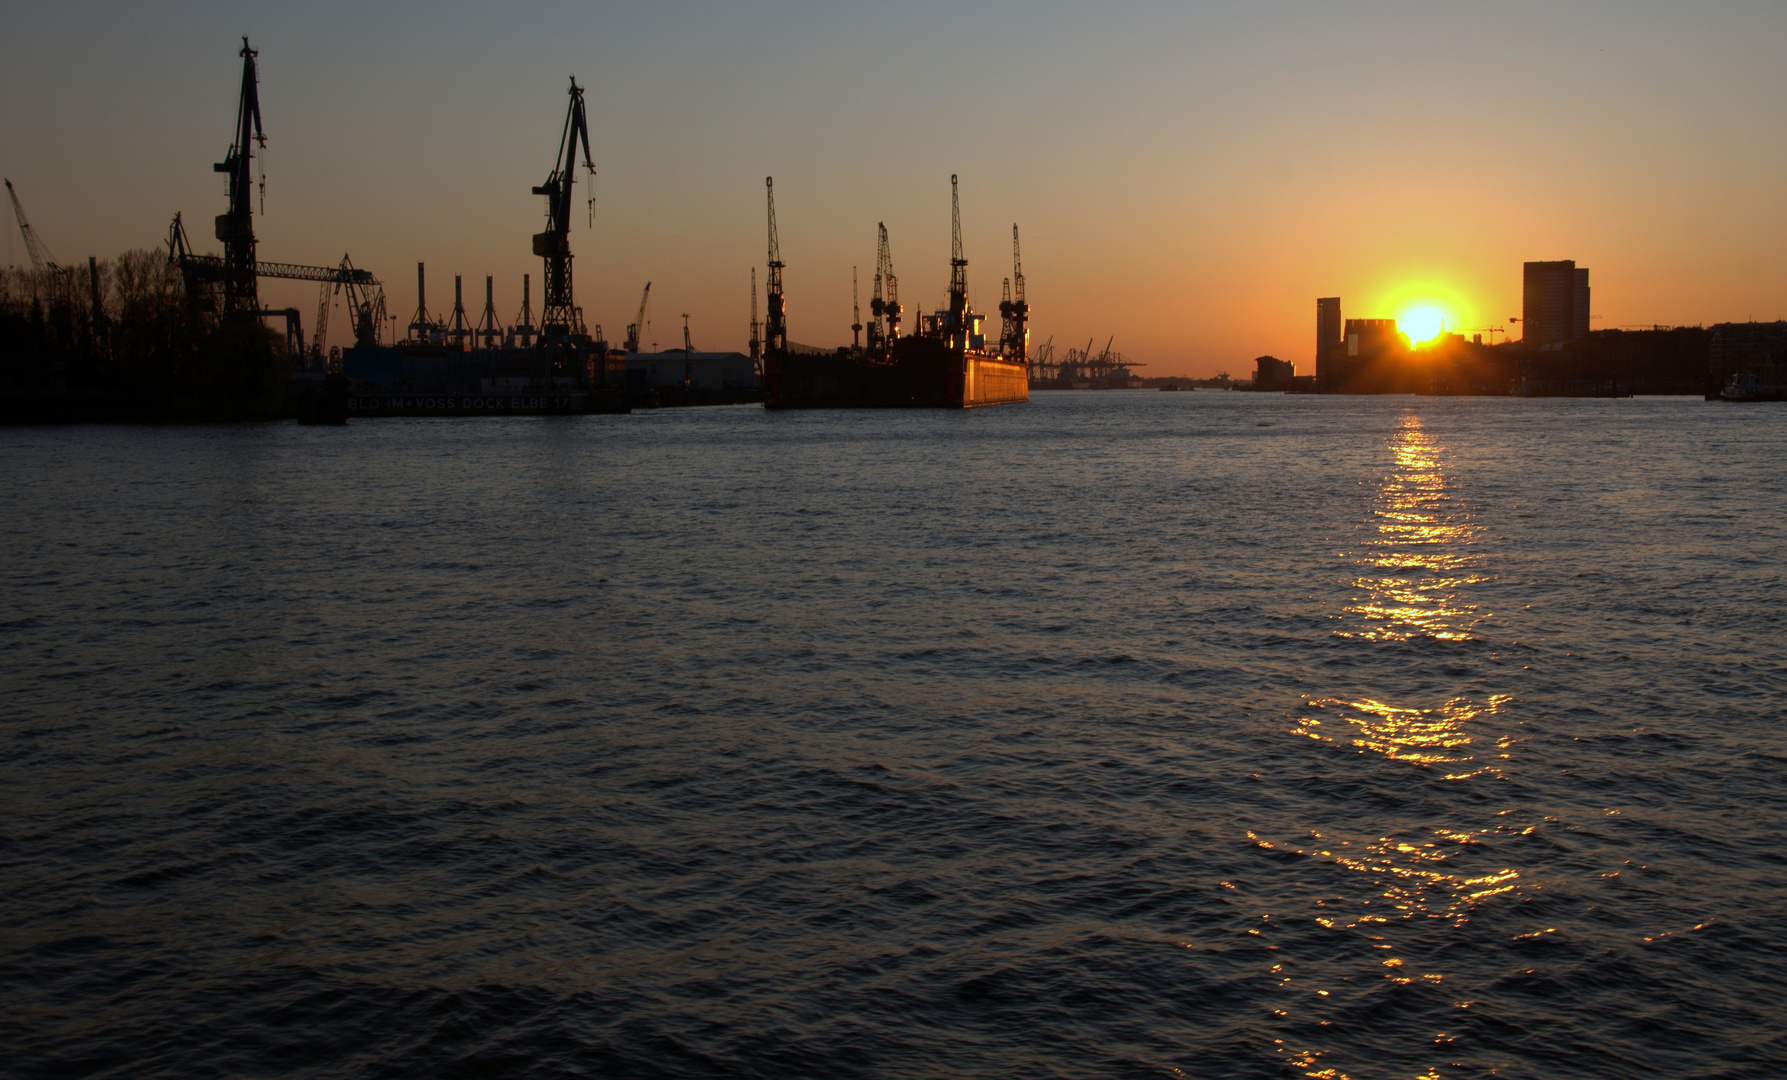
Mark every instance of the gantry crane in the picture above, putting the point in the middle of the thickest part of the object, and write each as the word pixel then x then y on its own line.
pixel 560 318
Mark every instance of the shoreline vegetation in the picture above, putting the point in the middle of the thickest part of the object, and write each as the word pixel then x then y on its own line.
pixel 119 340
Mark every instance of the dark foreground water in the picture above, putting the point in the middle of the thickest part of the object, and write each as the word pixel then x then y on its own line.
pixel 1112 735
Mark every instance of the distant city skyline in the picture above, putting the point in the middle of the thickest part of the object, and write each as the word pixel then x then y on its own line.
pixel 1185 178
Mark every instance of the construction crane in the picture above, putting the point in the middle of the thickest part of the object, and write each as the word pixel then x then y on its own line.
pixel 1014 310
pixel 560 317
pixel 855 316
pixel 1490 330
pixel 236 228
pixel 776 328
pixel 636 330
pixel 41 259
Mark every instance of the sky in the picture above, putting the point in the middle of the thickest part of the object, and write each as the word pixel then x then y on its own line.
pixel 1187 177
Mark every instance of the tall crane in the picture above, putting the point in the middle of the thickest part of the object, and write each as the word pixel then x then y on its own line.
pixel 523 331
pixel 559 315
pixel 41 259
pixel 958 267
pixel 776 330
pixel 855 316
pixel 1014 309
pixel 637 329
pixel 884 309
pixel 236 228
pixel 490 329
pixel 756 339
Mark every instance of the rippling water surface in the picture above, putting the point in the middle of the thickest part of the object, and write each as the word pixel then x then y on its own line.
pixel 1126 734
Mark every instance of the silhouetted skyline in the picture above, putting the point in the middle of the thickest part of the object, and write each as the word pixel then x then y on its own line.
pixel 1186 178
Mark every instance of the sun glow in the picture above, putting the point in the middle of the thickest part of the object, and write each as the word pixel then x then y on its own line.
pixel 1421 323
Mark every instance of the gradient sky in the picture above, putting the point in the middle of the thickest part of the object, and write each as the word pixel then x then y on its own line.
pixel 1188 177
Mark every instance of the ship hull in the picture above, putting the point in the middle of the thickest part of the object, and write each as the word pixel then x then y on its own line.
pixel 916 373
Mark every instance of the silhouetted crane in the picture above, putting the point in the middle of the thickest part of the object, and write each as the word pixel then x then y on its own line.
pixel 637 329
pixel 776 330
pixel 40 256
pixel 559 316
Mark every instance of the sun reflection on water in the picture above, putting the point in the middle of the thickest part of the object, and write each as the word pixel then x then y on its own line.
pixel 1419 556
pixel 1414 575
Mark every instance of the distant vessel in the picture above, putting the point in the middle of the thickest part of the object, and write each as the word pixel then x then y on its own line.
pixel 948 363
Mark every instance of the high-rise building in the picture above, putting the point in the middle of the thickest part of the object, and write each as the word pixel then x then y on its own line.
pixel 1328 340
pixel 1554 303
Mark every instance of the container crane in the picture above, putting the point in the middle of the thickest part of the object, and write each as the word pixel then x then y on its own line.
pixel 560 317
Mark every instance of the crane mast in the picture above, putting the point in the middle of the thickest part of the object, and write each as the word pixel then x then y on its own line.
pixel 236 228
pixel 756 340
pixel 884 308
pixel 776 328
pixel 958 267
pixel 560 317
pixel 855 315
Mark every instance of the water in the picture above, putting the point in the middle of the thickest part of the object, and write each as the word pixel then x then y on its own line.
pixel 1116 734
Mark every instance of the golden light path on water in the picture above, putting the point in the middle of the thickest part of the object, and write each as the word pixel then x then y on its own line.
pixel 1416 567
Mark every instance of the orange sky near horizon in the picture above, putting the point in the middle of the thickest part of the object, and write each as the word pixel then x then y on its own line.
pixel 1188 179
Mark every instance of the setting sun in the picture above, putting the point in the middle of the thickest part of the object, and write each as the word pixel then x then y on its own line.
pixel 1421 323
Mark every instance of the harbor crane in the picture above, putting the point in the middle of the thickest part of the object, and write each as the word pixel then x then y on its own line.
pixel 776 328
pixel 560 317
pixel 636 330
pixel 958 267
pixel 1014 309
pixel 756 329
pixel 884 311
pixel 855 315
pixel 236 228
pixel 40 256
pixel 228 284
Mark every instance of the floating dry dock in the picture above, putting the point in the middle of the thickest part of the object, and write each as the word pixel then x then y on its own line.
pixel 948 363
